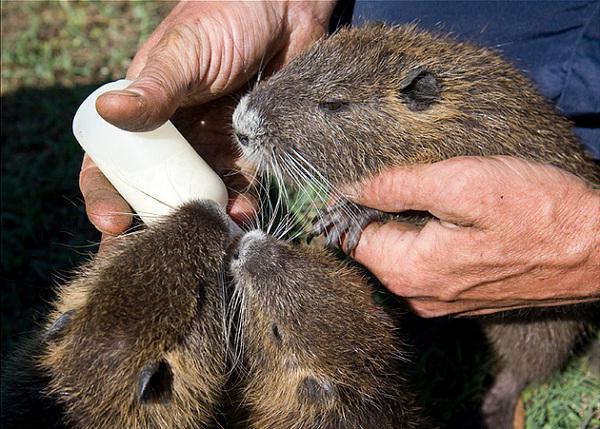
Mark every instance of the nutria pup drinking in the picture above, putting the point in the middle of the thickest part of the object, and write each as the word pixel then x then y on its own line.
pixel 137 339
pixel 372 97
pixel 317 352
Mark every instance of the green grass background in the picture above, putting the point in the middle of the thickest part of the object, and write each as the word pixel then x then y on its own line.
pixel 53 55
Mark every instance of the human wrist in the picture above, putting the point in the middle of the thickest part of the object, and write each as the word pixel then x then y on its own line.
pixel 589 243
pixel 301 14
pixel 317 11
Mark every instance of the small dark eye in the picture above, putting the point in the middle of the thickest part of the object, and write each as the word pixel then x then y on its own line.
pixel 276 333
pixel 332 106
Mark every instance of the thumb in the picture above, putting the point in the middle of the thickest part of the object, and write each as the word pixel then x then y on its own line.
pixel 160 88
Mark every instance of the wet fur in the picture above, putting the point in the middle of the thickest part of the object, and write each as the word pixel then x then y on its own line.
pixel 410 97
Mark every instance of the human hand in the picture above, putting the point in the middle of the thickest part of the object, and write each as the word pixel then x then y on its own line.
pixel 190 67
pixel 509 234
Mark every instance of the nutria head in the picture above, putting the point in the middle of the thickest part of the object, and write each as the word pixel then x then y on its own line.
pixel 316 346
pixel 376 96
pixel 137 339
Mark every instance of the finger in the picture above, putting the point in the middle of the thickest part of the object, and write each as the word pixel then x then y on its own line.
pixel 383 248
pixel 407 259
pixel 242 207
pixel 431 307
pixel 105 208
pixel 141 56
pixel 107 241
pixel 175 16
pixel 480 311
pixel 449 189
pixel 301 37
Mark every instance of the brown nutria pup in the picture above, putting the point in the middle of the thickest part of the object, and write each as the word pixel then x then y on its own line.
pixel 317 351
pixel 373 97
pixel 137 339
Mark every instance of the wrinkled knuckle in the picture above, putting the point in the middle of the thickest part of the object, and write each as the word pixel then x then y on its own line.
pixel 448 293
pixel 423 309
pixel 176 35
pixel 463 178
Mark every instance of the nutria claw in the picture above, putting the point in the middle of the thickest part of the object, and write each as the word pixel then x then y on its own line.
pixel 344 218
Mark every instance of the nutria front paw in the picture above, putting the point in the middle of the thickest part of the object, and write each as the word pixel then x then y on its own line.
pixel 344 218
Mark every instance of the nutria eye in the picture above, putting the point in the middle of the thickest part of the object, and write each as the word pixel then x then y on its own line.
pixel 276 333
pixel 332 106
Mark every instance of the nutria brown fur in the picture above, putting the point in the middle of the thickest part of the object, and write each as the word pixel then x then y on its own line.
pixel 373 97
pixel 317 351
pixel 137 339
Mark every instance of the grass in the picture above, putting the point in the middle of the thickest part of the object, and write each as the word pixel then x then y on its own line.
pixel 53 55
pixel 569 400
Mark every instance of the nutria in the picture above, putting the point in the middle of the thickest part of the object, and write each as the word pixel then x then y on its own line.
pixel 372 97
pixel 317 351
pixel 137 339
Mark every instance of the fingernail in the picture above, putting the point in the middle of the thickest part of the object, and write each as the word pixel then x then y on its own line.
pixel 125 93
pixel 449 225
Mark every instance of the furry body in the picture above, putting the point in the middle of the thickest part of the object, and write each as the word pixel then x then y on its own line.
pixel 374 97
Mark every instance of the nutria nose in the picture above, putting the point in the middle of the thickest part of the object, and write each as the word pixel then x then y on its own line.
pixel 242 138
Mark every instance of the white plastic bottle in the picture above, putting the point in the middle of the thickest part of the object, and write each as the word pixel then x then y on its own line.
pixel 154 171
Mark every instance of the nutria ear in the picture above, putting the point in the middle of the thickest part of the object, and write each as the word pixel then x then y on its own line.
pixel 59 325
pixel 155 383
pixel 420 89
pixel 319 391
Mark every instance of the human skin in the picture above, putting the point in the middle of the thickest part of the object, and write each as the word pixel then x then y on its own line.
pixel 486 254
pixel 509 234
pixel 189 70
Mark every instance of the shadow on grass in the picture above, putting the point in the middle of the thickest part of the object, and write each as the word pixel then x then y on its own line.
pixel 45 232
pixel 451 363
pixel 452 370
